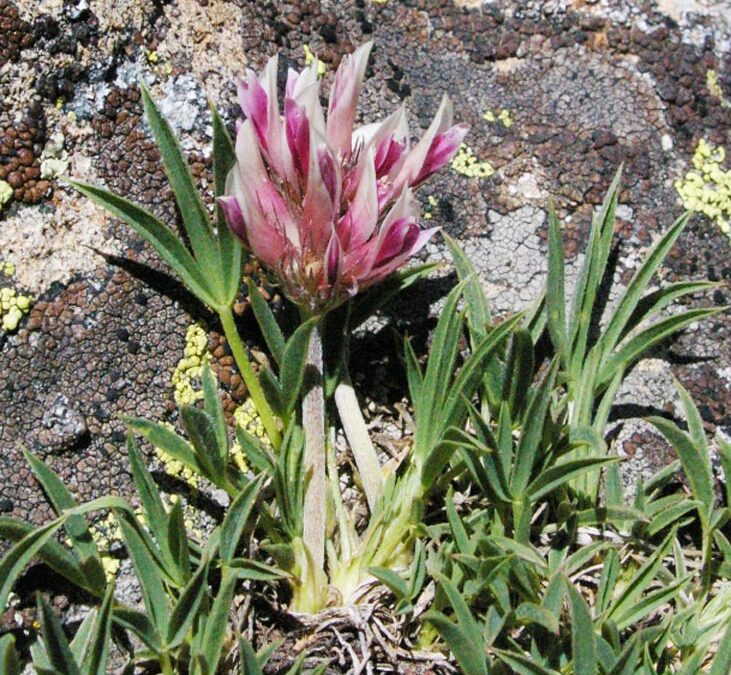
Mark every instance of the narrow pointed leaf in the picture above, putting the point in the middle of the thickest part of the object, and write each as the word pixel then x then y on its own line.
pixel 561 473
pixel 213 407
pixel 236 519
pixel 201 431
pixel 166 243
pixel 97 655
pixel 9 662
pixel 56 645
pixel 583 642
pixel 166 440
pixel 186 609
pixel 555 294
pixel 294 362
pixel 268 325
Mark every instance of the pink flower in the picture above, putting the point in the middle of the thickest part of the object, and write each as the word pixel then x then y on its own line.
pixel 328 207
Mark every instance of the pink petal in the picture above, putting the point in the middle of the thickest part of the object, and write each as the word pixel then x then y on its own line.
pixel 318 207
pixel 234 216
pixel 298 137
pixel 443 148
pixel 343 98
pixel 359 221
pixel 333 259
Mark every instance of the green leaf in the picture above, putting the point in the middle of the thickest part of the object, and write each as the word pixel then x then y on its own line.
pixel 201 431
pixel 459 534
pixel 530 439
pixel 96 655
pixel 236 519
pixel 140 624
pixel 147 570
pixel 724 454
pixel 229 245
pixel 478 311
pixel 167 245
pixel 294 362
pixel 722 661
pixel 195 217
pixel 245 568
pixel 623 313
pixel 641 580
pixel 249 662
pixel 522 664
pixel 414 375
pixel 518 370
pixel 166 440
pixel 177 542
pixel 186 609
pixel 213 407
pixel 270 329
pixel 530 613
pixel 696 465
pixel 608 580
pixel 555 294
pixel 51 553
pixel 82 638
pixel 82 544
pixel 259 456
pixel 637 346
pixel 214 632
pixel 9 662
pixel 671 515
pixel 583 643
pixel 391 580
pixel 648 604
pixel 56 645
pixel 14 562
pixel 548 480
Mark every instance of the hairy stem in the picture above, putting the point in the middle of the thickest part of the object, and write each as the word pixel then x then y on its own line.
pixel 249 376
pixel 360 441
pixel 313 421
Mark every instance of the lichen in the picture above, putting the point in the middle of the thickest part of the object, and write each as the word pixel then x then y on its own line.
pixel 706 187
pixel 468 165
pixel 310 57
pixel 189 367
pixel 431 204
pixel 105 533
pixel 13 305
pixel 503 117
pixel 54 159
pixel 6 193
pixel 715 88
pixel 247 418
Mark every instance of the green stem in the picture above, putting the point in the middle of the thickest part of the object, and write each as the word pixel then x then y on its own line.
pixel 165 664
pixel 250 379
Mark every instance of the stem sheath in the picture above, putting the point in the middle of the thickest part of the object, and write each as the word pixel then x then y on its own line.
pixel 250 379
pixel 313 421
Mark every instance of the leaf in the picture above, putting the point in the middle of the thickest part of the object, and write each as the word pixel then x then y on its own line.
pixel 147 570
pixel 20 555
pixel 213 407
pixel 548 480
pixel 139 624
pixel 466 641
pixel 522 664
pixel 696 465
pixel 195 217
pixel 270 329
pixel 166 440
pixel 56 645
pixel 202 434
pixel 96 655
pixel 530 439
pixel 9 662
pixel 555 294
pixel 583 643
pixel 82 544
pixel 51 553
pixel 630 299
pixel 255 570
pixel 528 612
pixel 637 611
pixel 230 247
pixel 637 346
pixel 167 245
pixel 518 370
pixel 294 362
pixel 214 632
pixel 177 542
pixel 608 580
pixel 186 609
pixel 722 661
pixel 391 580
pixel 249 662
pixel 259 457
pixel 724 454
pixel 236 519
pixel 414 375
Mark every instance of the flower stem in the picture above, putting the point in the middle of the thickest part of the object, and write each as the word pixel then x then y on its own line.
pixel 250 379
pixel 360 441
pixel 313 421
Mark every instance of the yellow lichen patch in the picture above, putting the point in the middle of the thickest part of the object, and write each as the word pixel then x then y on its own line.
pixel 7 268
pixel 310 57
pixel 13 306
pixel 105 533
pixel 468 165
pixel 706 188
pixel 189 367
pixel 177 469
pixel 715 88
pixel 503 117
pixel 6 193
pixel 431 204
pixel 246 417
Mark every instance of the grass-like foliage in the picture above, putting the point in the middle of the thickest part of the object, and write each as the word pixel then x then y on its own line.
pixel 503 535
